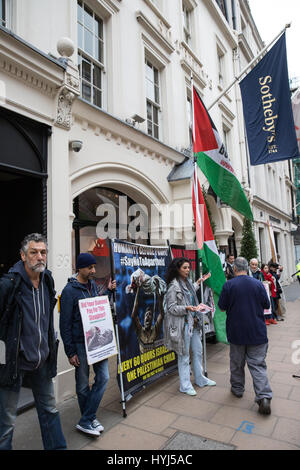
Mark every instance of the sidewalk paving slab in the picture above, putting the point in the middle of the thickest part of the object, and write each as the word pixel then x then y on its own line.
pixel 160 412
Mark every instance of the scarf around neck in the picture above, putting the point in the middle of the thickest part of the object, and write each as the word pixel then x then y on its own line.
pixel 190 298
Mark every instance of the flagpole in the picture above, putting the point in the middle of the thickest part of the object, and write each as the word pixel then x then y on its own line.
pixel 272 243
pixel 288 25
pixel 193 122
pixel 200 259
pixel 115 318
pixel 201 286
pixel 202 323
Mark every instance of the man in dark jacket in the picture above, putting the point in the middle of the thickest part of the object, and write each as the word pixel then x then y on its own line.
pixel 79 287
pixel 229 267
pixel 244 299
pixel 27 301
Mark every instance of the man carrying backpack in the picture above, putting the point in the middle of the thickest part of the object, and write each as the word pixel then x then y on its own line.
pixel 27 343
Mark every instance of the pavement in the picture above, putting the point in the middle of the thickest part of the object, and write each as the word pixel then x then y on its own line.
pixel 161 418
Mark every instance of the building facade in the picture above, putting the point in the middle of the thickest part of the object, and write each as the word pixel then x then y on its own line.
pixel 95 112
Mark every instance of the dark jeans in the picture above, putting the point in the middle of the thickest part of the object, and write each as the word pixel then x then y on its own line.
pixel 89 398
pixel 43 392
pixel 273 307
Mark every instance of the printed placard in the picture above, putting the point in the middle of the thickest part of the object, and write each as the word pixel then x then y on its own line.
pixel 99 334
pixel 267 311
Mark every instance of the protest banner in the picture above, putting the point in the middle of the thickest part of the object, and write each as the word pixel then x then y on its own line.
pixel 99 335
pixel 140 274
pixel 267 311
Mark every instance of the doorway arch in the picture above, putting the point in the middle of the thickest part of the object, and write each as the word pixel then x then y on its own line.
pixel 23 182
pixel 114 184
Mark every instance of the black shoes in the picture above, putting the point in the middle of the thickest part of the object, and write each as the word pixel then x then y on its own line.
pixel 264 406
pixel 237 394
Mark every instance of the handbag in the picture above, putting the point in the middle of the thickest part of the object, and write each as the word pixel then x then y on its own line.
pixel 174 333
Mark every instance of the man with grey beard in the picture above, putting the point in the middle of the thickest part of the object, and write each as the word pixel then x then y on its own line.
pixel 28 345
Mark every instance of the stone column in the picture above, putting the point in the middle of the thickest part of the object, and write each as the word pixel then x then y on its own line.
pixel 60 202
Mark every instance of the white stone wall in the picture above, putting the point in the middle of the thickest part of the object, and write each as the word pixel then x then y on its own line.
pixel 122 157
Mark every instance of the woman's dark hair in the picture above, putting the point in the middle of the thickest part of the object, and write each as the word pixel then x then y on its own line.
pixel 263 265
pixel 173 268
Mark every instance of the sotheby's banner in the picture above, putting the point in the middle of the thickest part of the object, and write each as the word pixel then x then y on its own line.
pixel 140 274
pixel 99 335
pixel 268 110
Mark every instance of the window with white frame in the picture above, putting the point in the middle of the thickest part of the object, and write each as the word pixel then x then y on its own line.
pixel 186 13
pixel 221 67
pixel 152 99
pixel 189 105
pixel 90 31
pixel 5 6
pixel 223 6
pixel 226 139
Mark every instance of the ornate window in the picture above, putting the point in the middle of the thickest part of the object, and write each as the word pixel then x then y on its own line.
pixel 189 107
pixel 186 13
pixel 5 6
pixel 153 99
pixel 221 57
pixel 90 30
pixel 223 6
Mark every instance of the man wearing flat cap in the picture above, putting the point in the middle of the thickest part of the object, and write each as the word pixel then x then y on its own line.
pixel 81 286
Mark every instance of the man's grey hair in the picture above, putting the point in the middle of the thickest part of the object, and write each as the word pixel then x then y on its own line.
pixel 32 237
pixel 241 264
pixel 253 259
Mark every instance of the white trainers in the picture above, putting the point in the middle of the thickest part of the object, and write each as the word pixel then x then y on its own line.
pixel 191 391
pixel 88 429
pixel 209 383
pixel 97 425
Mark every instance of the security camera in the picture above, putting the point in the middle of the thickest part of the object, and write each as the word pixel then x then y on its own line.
pixel 76 145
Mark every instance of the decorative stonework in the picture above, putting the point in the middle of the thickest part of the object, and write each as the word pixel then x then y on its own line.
pixel 64 108
pixel 73 82
pixel 191 63
pixel 161 34
pixel 21 72
pixel 144 151
pixel 70 89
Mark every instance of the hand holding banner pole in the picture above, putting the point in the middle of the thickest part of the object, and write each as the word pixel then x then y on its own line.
pixel 202 323
pixel 123 401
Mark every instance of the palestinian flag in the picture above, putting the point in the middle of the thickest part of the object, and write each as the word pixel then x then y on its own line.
pixel 214 162
pixel 210 256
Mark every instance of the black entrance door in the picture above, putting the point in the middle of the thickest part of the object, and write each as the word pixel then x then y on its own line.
pixel 23 191
pixel 23 177
pixel 21 213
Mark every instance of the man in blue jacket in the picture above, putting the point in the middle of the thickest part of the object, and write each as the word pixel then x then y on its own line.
pixel 244 299
pixel 28 347
pixel 79 287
